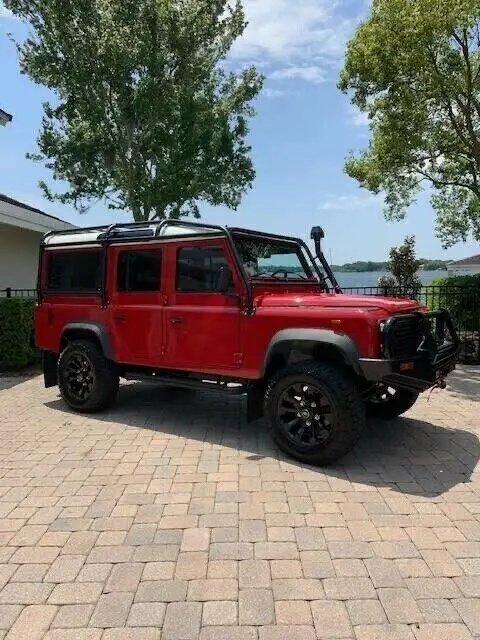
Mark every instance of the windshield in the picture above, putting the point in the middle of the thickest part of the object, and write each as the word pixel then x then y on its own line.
pixel 271 258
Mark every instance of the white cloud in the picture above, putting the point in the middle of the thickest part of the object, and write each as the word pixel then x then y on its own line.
pixel 356 117
pixel 313 74
pixel 6 13
pixel 268 92
pixel 301 39
pixel 335 202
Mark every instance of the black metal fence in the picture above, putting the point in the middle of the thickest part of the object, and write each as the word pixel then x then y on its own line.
pixel 17 293
pixel 463 303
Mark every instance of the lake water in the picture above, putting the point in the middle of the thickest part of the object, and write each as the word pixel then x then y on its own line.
pixel 370 278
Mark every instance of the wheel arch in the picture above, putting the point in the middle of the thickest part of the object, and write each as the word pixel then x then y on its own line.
pixel 87 330
pixel 294 345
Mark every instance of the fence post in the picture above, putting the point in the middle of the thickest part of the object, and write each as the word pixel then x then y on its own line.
pixel 8 291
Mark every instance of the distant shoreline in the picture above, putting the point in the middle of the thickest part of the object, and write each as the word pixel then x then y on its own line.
pixel 367 267
pixel 369 279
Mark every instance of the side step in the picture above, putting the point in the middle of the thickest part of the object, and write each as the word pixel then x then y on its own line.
pixel 232 388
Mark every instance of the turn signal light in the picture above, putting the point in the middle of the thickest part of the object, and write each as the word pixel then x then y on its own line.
pixel 406 366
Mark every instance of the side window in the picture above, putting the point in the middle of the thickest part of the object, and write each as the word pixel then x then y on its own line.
pixel 139 270
pixel 75 270
pixel 199 268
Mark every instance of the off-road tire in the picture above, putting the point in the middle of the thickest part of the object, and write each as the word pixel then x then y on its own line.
pixel 342 394
pixel 395 406
pixel 105 377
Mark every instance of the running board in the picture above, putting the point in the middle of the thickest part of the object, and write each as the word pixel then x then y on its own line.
pixel 232 388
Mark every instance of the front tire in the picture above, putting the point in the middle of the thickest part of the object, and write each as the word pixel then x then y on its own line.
pixel 389 403
pixel 336 413
pixel 87 380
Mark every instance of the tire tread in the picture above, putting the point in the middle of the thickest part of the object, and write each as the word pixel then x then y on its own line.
pixel 106 388
pixel 350 408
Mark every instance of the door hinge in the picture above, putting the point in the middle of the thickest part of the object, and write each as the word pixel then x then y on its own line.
pixel 238 358
pixel 164 300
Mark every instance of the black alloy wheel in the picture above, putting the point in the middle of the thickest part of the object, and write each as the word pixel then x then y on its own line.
pixel 87 380
pixel 306 414
pixel 387 403
pixel 314 411
pixel 78 377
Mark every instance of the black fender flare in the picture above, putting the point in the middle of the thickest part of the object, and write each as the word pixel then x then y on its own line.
pixel 95 328
pixel 345 346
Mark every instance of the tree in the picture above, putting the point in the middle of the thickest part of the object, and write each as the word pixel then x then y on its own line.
pixel 403 266
pixel 146 116
pixel 414 68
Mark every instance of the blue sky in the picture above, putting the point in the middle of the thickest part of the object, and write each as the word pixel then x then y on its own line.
pixel 303 131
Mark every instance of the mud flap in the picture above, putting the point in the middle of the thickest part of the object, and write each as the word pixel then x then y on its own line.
pixel 255 397
pixel 49 361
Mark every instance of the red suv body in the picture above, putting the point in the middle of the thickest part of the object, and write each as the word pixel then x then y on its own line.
pixel 240 311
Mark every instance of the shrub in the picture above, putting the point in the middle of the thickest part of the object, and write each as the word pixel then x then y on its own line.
pixel 460 295
pixel 16 333
pixel 403 280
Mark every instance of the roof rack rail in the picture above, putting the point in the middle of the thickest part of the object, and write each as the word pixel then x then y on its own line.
pixel 149 229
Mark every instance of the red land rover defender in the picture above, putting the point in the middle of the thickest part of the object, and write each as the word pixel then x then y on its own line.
pixel 203 306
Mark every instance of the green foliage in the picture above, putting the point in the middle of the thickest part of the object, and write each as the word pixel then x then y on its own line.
pixel 434 265
pixel 404 266
pixel 362 266
pixel 16 331
pixel 460 295
pixel 388 285
pixel 359 267
pixel 147 117
pixel 414 68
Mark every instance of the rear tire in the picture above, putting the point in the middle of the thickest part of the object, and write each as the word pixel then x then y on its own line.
pixel 389 403
pixel 336 412
pixel 87 380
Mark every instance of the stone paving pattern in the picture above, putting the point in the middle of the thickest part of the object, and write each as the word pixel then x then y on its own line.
pixel 168 517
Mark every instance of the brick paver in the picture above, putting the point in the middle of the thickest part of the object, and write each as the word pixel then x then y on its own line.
pixel 169 517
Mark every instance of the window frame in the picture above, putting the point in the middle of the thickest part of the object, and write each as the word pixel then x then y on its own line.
pixel 203 247
pixel 297 249
pixel 130 250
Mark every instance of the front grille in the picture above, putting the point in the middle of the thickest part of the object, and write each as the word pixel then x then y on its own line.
pixel 403 335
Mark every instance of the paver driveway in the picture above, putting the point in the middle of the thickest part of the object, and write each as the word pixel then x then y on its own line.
pixel 170 518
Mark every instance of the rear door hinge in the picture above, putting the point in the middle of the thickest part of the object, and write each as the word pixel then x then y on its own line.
pixel 238 358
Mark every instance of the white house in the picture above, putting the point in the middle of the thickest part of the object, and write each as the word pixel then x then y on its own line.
pixel 466 267
pixel 21 230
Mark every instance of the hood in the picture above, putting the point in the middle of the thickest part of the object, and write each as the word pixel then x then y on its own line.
pixel 326 300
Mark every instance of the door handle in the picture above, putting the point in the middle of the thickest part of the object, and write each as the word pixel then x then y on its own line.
pixel 119 317
pixel 177 320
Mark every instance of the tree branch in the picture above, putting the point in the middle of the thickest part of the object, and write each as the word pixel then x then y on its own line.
pixel 449 183
pixel 446 100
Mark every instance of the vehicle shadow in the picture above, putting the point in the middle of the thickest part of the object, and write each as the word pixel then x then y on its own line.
pixel 408 455
pixel 9 382
pixel 465 382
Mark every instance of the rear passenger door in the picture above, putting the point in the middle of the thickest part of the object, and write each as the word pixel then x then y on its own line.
pixel 136 304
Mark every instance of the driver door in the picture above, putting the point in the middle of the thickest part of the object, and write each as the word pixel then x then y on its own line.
pixel 203 325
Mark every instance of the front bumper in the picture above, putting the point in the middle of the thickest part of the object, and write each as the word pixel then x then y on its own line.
pixel 435 357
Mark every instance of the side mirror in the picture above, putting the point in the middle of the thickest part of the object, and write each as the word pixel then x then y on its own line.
pixel 224 280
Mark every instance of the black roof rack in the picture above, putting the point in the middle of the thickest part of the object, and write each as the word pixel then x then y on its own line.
pixel 129 231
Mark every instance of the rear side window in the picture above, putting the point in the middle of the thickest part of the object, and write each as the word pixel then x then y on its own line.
pixel 198 269
pixel 75 271
pixel 139 270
